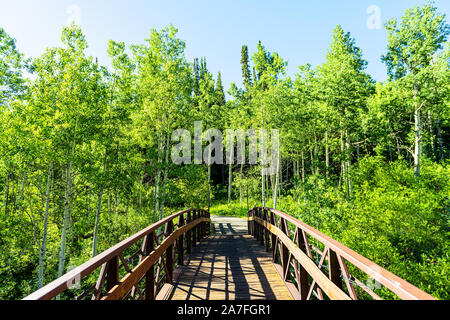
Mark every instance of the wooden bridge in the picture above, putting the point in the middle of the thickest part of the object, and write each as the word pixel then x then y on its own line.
pixel 191 255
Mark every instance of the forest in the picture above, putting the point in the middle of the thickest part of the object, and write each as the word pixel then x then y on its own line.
pixel 85 149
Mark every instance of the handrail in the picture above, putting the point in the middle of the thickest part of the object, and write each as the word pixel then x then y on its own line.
pixel 192 226
pixel 271 228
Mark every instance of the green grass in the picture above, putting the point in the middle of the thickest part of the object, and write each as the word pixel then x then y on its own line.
pixel 230 210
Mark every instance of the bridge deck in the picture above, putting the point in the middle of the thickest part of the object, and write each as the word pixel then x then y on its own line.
pixel 229 265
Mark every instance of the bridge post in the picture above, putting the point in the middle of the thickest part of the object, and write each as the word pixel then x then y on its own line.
pixel 194 230
pixel 112 273
pixel 254 222
pixel 208 224
pixel 149 246
pixel 202 225
pixel 248 222
pixel 302 277
pixel 334 269
pixel 261 228
pixel 266 231
pixel 273 238
pixel 257 224
pixel 189 233
pixel 284 250
pixel 169 253
pixel 180 242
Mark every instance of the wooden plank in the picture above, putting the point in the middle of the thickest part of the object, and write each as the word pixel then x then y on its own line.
pixel 230 266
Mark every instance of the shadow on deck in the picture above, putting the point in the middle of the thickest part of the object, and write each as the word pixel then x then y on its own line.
pixel 229 265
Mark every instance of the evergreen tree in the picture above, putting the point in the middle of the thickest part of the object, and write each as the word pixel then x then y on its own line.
pixel 196 77
pixel 245 68
pixel 203 69
pixel 219 91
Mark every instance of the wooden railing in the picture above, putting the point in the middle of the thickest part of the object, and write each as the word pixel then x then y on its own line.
pixel 112 275
pixel 313 264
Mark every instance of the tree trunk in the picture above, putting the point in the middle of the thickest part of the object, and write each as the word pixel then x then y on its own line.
pixel 432 136
pixel 280 176
pixel 294 168
pixel 417 142
pixel 89 209
pixel 166 172
pixel 230 175
pixel 439 139
pixel 22 190
pixel 157 182
pixel 357 152
pixel 342 180
pixel 6 196
pixel 327 156
pixel 116 202
pixel 263 191
pixel 209 184
pixel 126 216
pixel 109 207
pixel 275 186
pixel 303 167
pixel 62 251
pixel 43 248
pixel 240 185
pixel 97 221
pixel 348 164
pixel 316 160
pixel 72 194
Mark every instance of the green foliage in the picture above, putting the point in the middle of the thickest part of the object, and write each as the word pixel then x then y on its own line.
pixel 247 80
pixel 388 221
pixel 84 151
pixel 12 84
pixel 413 42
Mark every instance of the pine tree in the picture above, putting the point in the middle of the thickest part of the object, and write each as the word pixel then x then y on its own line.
pixel 203 69
pixel 255 78
pixel 196 77
pixel 219 91
pixel 245 68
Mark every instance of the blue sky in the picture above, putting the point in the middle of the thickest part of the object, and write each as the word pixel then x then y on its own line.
pixel 300 31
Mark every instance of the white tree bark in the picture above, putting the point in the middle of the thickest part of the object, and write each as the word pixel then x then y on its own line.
pixel 166 172
pixel 439 138
pixel 97 221
pixel 327 156
pixel 417 142
pixel 62 251
pixel 43 248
